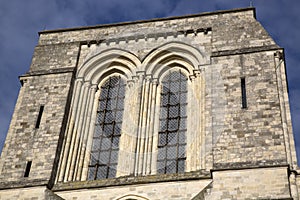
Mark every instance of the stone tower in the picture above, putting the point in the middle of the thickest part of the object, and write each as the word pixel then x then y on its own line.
pixel 189 107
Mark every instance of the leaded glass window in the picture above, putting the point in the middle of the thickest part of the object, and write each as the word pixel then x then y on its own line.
pixel 172 124
pixel 105 147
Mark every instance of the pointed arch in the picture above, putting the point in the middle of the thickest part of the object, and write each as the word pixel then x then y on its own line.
pixel 173 53
pixel 107 131
pixel 109 60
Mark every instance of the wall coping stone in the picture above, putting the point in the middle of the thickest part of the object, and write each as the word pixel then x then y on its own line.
pixel 150 20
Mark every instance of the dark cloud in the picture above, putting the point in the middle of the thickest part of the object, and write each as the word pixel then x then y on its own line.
pixel 21 20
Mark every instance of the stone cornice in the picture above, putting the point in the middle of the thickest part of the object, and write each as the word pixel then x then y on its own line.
pixel 48 72
pixel 245 50
pixel 147 36
pixel 150 20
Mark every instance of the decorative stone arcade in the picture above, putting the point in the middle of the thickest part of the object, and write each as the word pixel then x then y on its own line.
pixel 139 137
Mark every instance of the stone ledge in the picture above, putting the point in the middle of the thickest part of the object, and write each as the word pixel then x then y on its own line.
pixel 249 165
pixel 47 72
pixel 22 183
pixel 131 180
pixel 245 50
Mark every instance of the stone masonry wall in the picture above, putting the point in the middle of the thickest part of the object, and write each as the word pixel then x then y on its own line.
pixel 234 45
pixel 254 135
pixel 32 193
pixel 180 190
pixel 244 31
pixel 27 143
pixel 263 183
pixel 51 57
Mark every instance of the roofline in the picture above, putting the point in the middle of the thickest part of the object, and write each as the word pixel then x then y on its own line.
pixel 149 20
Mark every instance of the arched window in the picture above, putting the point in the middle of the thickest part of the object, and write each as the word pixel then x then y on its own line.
pixel 105 147
pixel 172 124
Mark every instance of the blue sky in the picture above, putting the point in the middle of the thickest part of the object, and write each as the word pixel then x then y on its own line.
pixel 20 22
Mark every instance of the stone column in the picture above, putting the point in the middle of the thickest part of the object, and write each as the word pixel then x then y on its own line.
pixel 156 113
pixel 128 140
pixel 140 105
pixel 85 130
pixel 151 126
pixel 90 133
pixel 191 137
pixel 69 132
pixel 77 131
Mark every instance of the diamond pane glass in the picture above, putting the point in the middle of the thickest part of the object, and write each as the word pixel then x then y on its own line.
pixel 164 99
pixel 172 125
pixel 161 154
pixel 176 86
pixel 173 99
pixel 108 129
pixel 120 104
pixel 113 102
pixel 183 110
pixel 181 151
pixel 161 167
pixel 109 118
pixel 181 165
pixel 119 116
pixel 104 157
pixel 171 153
pixel 105 148
pixel 182 125
pixel 163 125
pixel 101 172
pixel 103 96
pixel 181 137
pixel 172 138
pixel 171 167
pixel 163 112
pixel 98 131
pixel 105 144
pixel 173 111
pixel 114 157
pixel 115 142
pixel 183 96
pixel 100 117
pixel 92 172
pixel 162 139
pixel 183 85
pixel 112 172
pixel 96 144
pixel 94 158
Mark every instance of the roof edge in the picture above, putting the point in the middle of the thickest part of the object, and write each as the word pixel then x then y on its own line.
pixel 149 20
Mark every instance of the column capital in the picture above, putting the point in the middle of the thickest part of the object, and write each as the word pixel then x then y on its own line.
pixel 94 87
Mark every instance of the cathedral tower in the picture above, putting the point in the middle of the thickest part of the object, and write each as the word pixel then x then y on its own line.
pixel 189 107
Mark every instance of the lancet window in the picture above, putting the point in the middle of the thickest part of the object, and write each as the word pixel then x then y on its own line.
pixel 172 124
pixel 105 147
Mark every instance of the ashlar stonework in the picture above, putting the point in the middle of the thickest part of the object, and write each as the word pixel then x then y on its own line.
pixel 188 107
